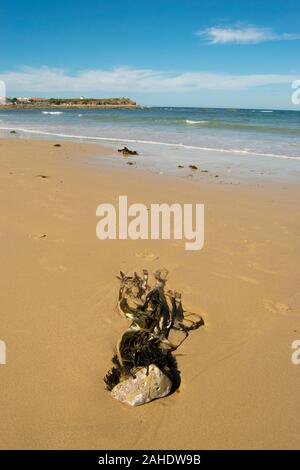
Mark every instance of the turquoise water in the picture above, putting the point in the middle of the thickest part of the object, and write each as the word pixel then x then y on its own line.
pixel 253 133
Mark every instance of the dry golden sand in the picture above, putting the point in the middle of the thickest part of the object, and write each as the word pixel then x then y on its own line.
pixel 59 320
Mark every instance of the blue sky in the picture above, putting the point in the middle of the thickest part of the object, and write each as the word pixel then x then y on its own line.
pixel 159 52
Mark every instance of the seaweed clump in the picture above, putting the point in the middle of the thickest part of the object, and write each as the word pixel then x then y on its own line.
pixel 159 326
pixel 125 151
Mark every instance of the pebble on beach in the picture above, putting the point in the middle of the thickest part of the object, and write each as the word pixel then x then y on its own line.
pixel 143 387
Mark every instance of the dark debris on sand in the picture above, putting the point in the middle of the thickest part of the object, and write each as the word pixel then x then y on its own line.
pixel 125 151
pixel 156 316
pixel 42 176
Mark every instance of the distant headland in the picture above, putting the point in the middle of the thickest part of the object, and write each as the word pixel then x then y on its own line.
pixel 72 103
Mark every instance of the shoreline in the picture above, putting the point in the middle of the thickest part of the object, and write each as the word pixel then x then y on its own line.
pixel 239 388
pixel 228 168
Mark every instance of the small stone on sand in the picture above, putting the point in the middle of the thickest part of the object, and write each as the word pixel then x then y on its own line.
pixel 144 387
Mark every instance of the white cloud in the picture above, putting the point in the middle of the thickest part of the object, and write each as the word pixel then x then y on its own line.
pixel 121 80
pixel 244 35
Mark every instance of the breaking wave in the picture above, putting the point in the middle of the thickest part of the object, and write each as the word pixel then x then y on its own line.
pixel 52 112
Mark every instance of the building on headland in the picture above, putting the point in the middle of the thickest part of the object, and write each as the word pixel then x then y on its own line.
pixel 23 100
pixel 26 100
pixel 38 100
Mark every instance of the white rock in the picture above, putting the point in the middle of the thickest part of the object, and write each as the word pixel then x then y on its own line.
pixel 143 388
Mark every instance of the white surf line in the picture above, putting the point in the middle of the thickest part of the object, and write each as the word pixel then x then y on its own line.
pixel 151 142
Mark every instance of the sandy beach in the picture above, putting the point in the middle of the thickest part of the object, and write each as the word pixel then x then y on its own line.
pixel 239 388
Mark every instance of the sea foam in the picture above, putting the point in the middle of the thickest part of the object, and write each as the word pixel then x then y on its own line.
pixel 52 112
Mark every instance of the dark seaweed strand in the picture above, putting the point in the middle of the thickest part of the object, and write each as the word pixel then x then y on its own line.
pixel 142 344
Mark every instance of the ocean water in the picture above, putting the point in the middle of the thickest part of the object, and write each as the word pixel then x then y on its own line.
pixel 241 135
